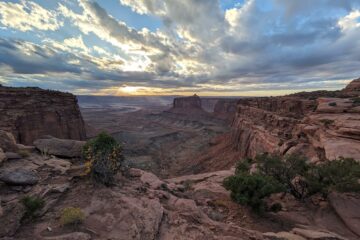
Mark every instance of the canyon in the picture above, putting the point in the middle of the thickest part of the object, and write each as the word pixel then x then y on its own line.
pixel 178 153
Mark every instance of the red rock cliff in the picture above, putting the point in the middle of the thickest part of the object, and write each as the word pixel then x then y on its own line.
pixel 321 129
pixel 32 112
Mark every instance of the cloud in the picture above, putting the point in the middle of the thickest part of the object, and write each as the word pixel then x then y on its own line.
pixel 255 46
pixel 27 15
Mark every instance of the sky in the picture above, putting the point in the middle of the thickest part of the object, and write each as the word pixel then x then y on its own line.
pixel 180 47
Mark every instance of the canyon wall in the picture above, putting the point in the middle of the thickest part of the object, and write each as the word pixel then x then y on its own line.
pixel 29 113
pixel 321 128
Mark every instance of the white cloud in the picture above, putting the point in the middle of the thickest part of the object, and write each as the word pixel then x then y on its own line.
pixel 27 15
pixel 350 21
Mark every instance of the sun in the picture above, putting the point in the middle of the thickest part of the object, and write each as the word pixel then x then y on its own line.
pixel 128 90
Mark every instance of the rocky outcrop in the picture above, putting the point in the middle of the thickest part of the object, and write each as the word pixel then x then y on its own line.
pixel 353 88
pixel 60 147
pixel 19 177
pixel 7 141
pixel 321 129
pixel 29 113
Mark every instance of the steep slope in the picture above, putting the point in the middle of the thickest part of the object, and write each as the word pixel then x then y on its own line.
pixel 29 113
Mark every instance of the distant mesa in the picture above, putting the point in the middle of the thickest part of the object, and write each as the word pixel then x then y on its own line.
pixel 29 113
pixel 187 105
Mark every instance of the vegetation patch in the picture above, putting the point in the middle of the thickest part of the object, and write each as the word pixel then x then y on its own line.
pixel 104 158
pixel 332 104
pixel 356 101
pixel 72 216
pixel 24 153
pixel 327 122
pixel 290 174
pixel 32 205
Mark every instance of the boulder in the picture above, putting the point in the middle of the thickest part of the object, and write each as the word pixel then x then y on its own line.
pixel 19 177
pixel 12 155
pixel 60 147
pixel 7 141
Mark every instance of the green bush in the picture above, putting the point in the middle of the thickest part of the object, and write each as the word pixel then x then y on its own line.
pixel 290 174
pixel 284 170
pixel 104 158
pixel 332 104
pixel 250 190
pixel 32 205
pixel 341 175
pixel 356 101
pixel 72 216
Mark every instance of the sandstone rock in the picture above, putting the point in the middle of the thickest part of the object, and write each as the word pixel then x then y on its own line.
pixel 7 141
pixel 2 156
pixel 353 87
pixel 336 147
pixel 347 206
pixel 70 236
pixel 283 236
pixel 19 177
pixel 316 234
pixel 60 147
pixel 59 165
pixel 12 155
pixel 29 113
pixel 124 217
pixel 333 105
pixel 11 218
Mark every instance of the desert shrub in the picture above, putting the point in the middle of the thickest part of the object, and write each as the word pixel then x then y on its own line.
pixel 104 158
pixel 356 101
pixel 250 189
pixel 71 216
pixel 340 175
pixel 24 153
pixel 290 174
pixel 332 104
pixel 243 166
pixel 327 122
pixel 32 205
pixel 286 171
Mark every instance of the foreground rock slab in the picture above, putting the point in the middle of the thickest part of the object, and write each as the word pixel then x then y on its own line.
pixel 19 177
pixel 60 147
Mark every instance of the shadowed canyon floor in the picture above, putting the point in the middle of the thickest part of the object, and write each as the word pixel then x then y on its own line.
pixel 156 138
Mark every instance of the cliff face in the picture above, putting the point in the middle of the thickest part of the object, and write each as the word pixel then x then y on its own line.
pixel 321 129
pixel 29 113
pixel 193 102
pixel 225 108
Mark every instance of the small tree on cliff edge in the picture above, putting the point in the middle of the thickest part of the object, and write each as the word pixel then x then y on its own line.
pixel 104 158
